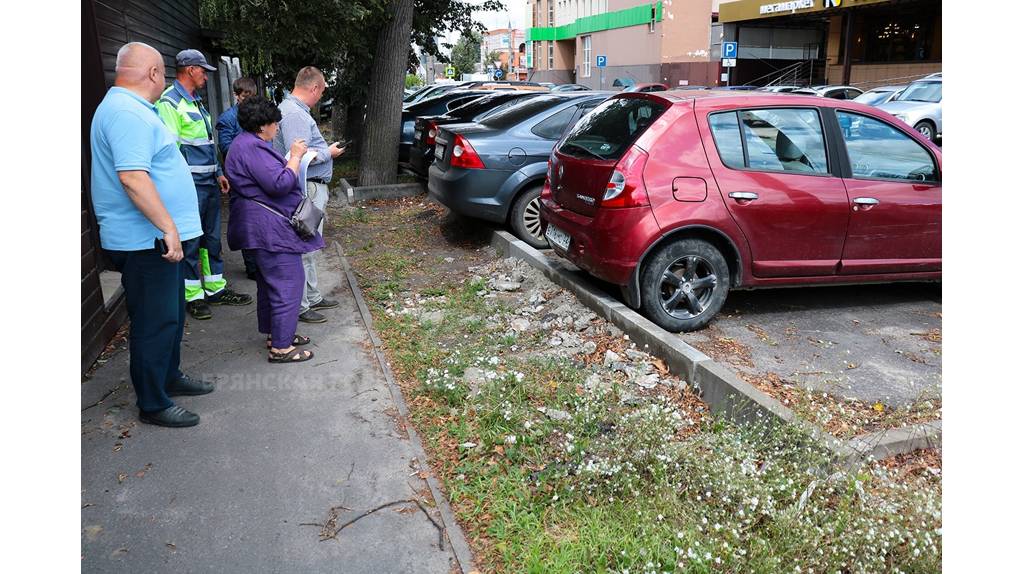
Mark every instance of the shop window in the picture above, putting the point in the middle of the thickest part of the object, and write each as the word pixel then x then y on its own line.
pixel 893 36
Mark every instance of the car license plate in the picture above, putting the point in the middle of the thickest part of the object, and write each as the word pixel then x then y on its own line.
pixel 439 150
pixel 557 237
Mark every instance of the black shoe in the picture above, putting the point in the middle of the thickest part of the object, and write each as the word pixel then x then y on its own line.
pixel 229 297
pixel 324 304
pixel 199 309
pixel 312 316
pixel 170 417
pixel 187 386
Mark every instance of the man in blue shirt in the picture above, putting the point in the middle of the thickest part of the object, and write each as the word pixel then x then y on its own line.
pixel 227 129
pixel 142 192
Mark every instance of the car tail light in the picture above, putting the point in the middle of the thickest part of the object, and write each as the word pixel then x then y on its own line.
pixel 463 154
pixel 431 133
pixel 545 192
pixel 626 186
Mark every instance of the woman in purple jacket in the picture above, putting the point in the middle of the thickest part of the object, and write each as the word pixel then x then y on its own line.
pixel 264 193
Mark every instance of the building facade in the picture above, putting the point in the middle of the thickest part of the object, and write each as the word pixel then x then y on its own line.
pixel 507 42
pixel 865 43
pixel 641 41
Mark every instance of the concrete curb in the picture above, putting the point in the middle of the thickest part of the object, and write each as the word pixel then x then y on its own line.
pixel 457 539
pixel 723 391
pixel 357 194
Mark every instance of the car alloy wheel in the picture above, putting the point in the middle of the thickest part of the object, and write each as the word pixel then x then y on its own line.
pixel 925 129
pixel 531 218
pixel 687 287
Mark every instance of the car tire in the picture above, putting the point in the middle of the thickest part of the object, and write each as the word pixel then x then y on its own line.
pixel 525 218
pixel 695 296
pixel 926 128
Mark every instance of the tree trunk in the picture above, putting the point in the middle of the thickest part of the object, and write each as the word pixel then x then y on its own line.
pixel 378 157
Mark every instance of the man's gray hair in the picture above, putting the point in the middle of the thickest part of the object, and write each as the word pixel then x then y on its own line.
pixel 124 53
pixel 309 77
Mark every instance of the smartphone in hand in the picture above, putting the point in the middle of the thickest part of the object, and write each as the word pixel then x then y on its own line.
pixel 160 245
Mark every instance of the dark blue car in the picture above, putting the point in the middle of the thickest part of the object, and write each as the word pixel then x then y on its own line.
pixel 494 169
pixel 431 107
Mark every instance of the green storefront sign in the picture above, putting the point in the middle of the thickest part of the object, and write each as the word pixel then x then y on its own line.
pixel 635 16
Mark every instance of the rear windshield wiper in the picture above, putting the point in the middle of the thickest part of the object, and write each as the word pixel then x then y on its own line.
pixel 585 150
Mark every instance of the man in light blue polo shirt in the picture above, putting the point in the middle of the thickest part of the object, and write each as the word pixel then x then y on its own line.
pixel 142 193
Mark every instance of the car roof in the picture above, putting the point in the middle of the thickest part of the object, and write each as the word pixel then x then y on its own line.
pixel 745 99
pixel 887 88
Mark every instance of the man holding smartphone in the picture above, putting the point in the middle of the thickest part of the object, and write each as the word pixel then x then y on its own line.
pixel 297 123
pixel 142 190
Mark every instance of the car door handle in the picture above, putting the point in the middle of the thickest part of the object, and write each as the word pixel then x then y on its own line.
pixel 743 195
pixel 865 201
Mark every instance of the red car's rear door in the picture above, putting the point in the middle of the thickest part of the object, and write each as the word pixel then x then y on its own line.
pixel 772 167
pixel 895 189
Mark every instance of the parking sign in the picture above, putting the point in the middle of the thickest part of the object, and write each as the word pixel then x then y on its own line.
pixel 602 61
pixel 730 49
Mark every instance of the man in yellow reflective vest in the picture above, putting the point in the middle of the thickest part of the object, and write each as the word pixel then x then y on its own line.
pixel 182 111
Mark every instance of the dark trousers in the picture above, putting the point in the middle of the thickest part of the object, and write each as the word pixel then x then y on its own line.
pixel 204 266
pixel 154 293
pixel 279 282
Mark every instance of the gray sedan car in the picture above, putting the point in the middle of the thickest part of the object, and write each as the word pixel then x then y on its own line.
pixel 920 106
pixel 494 170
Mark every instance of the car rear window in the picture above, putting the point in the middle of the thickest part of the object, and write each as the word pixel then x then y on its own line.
pixel 609 130
pixel 516 114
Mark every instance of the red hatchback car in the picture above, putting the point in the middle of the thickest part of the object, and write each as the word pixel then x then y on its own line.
pixel 679 197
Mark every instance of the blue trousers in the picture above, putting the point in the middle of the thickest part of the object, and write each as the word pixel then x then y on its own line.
pixel 154 294
pixel 280 280
pixel 204 267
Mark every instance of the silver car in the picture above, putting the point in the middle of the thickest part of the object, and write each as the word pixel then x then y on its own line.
pixel 920 106
pixel 880 95
pixel 834 92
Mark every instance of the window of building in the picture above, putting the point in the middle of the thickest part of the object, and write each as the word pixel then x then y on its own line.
pixel 586 56
pixel 654 15
pixel 880 151
pixel 894 35
pixel 551 12
pixel 551 55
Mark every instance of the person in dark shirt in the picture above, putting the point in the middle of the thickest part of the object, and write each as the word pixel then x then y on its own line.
pixel 227 130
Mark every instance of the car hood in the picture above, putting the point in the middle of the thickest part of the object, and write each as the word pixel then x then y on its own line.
pixel 910 107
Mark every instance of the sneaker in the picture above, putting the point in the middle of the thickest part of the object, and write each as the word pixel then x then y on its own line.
pixel 170 417
pixel 325 304
pixel 312 316
pixel 229 297
pixel 199 309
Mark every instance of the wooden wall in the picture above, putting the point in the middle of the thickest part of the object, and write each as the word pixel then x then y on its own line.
pixel 169 26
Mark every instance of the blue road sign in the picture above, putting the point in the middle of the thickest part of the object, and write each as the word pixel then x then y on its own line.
pixel 498 74
pixel 602 61
pixel 729 49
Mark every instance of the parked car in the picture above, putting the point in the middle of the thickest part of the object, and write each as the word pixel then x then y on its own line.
pixel 779 89
pixel 571 88
pixel 646 88
pixel 880 95
pixel 495 83
pixel 430 107
pixel 494 169
pixel 512 86
pixel 689 87
pixel 680 197
pixel 743 88
pixel 548 85
pixel 426 127
pixel 834 92
pixel 432 92
pixel 920 105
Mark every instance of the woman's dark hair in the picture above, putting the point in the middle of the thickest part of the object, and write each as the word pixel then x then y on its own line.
pixel 256 112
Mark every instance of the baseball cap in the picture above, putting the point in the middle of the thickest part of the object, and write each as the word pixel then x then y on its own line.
pixel 192 58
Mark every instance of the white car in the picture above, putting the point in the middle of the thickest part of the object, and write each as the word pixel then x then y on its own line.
pixel 834 92
pixel 920 106
pixel 880 95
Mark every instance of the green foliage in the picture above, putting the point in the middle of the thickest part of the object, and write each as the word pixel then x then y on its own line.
pixel 413 81
pixel 466 53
